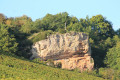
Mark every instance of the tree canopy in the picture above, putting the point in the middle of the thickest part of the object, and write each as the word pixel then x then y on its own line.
pixel 26 32
pixel 7 41
pixel 113 57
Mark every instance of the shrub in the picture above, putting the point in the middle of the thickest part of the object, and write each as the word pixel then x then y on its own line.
pixel 50 62
pixel 106 73
pixel 77 70
pixel 58 65
pixel 41 36
pixel 38 60
pixel 62 31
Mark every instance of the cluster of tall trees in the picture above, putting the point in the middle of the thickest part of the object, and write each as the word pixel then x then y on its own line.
pixel 17 34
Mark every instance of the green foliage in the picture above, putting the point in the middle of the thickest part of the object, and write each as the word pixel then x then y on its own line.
pixel 110 74
pixel 26 32
pixel 38 25
pixel 101 27
pixel 115 39
pixel 106 73
pixel 23 32
pixel 113 57
pixel 50 62
pixel 58 65
pixel 118 32
pixel 27 28
pixel 40 36
pixel 7 41
pixel 75 27
pixel 2 18
pixel 91 41
pixel 77 70
pixel 39 61
pixel 22 69
pixel 53 22
pixel 62 31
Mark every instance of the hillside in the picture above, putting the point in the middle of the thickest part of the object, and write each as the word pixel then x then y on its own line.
pixel 12 68
pixel 18 34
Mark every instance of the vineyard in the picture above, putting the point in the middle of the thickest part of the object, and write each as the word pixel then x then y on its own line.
pixel 12 68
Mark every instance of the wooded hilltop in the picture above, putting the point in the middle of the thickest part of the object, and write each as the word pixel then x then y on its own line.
pixel 17 34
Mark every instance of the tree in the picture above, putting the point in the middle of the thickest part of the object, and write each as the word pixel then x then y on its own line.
pixel 2 18
pixel 19 21
pixel 37 25
pixel 77 27
pixel 113 57
pixel 27 27
pixel 55 22
pixel 118 32
pixel 101 28
pixel 7 41
pixel 101 33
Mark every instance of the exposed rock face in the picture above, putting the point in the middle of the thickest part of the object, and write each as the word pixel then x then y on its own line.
pixel 82 63
pixel 71 49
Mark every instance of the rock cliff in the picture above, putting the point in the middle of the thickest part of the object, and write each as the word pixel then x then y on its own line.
pixel 71 49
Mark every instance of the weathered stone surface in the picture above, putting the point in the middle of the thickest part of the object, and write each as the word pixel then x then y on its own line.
pixel 71 49
pixel 81 63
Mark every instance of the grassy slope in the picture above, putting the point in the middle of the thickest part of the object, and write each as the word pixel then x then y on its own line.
pixel 12 68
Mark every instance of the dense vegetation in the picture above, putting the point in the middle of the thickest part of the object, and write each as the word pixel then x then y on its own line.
pixel 18 69
pixel 19 33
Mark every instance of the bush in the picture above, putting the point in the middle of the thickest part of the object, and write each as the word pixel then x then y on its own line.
pixel 106 73
pixel 50 62
pixel 38 60
pixel 58 65
pixel 77 70
pixel 62 31
pixel 41 36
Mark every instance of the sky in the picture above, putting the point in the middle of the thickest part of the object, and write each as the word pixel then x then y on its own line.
pixel 80 8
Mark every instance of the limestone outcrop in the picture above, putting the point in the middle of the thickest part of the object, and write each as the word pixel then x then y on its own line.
pixel 71 49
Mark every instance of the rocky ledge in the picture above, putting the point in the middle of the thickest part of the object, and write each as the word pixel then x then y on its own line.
pixel 72 50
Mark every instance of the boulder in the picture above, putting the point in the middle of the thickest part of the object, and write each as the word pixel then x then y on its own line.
pixel 71 49
pixel 81 63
